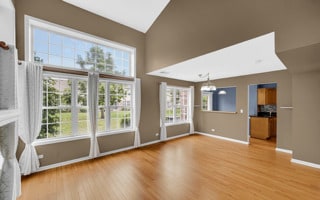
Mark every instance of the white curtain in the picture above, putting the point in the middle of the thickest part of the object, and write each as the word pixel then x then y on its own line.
pixel 10 179
pixel 30 100
pixel 191 108
pixel 162 99
pixel 137 99
pixel 93 84
pixel 10 186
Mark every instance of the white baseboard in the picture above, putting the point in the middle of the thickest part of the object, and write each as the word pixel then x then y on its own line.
pixel 309 164
pixel 178 136
pixel 62 164
pixel 81 159
pixel 116 151
pixel 284 150
pixel 170 138
pixel 222 138
pixel 149 143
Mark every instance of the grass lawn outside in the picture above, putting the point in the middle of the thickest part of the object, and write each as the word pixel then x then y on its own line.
pixel 65 127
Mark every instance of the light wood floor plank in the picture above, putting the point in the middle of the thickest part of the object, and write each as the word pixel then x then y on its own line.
pixel 193 167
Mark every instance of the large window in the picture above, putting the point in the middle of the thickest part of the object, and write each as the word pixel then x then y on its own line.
pixel 64 107
pixel 177 105
pixel 65 110
pixel 65 96
pixel 60 46
pixel 115 106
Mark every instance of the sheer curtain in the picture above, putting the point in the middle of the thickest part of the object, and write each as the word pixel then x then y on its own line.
pixel 191 108
pixel 10 186
pixel 137 99
pixel 30 99
pixel 162 99
pixel 93 84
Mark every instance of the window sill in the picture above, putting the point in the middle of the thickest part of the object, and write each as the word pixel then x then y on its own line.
pixel 115 132
pixel 223 112
pixel 59 140
pixel 80 137
pixel 177 123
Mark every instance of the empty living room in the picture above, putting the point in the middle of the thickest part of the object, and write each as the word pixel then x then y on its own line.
pixel 166 99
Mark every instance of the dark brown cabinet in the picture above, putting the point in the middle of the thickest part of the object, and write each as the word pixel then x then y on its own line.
pixel 267 96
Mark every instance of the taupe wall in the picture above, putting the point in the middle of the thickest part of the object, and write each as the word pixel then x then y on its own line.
pixel 236 125
pixel 117 141
pixel 177 130
pixel 64 151
pixel 189 28
pixel 306 120
pixel 56 11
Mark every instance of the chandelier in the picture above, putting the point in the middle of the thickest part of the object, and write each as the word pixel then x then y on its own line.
pixel 208 85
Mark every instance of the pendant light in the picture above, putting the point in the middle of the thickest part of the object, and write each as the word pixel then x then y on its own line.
pixel 207 86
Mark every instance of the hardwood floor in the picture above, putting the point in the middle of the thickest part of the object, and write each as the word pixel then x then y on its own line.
pixel 193 167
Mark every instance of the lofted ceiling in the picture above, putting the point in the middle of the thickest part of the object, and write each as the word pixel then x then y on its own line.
pixel 249 57
pixel 136 14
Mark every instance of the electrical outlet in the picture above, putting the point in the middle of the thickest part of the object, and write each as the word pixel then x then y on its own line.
pixel 157 134
pixel 213 130
pixel 40 156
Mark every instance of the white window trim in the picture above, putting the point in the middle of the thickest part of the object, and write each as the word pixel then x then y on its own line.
pixel 187 121
pixel 29 22
pixel 107 118
pixel 73 107
pixel 46 141
pixel 177 123
pixel 209 102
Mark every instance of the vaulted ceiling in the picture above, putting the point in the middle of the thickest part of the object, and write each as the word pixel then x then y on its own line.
pixel 191 37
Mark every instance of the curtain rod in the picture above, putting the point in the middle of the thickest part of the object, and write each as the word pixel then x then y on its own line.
pixel 4 45
pixel 81 73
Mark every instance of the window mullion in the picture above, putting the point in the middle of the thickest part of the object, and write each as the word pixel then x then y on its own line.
pixel 133 106
pixel 47 103
pixel 107 106
pixel 174 107
pixel 74 110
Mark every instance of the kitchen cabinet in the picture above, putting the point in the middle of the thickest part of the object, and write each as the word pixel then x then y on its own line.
pixel 267 96
pixel 263 127
pixel 273 126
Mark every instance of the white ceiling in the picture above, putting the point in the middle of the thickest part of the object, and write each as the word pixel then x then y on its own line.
pixel 137 14
pixel 250 57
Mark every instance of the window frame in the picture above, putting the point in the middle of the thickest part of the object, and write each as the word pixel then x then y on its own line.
pixel 174 106
pixel 31 22
pixel 209 101
pixel 108 130
pixel 68 72
pixel 73 107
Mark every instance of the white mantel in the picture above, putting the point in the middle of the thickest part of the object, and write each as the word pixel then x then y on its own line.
pixel 7 21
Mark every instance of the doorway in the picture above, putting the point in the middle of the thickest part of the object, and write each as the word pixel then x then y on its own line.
pixel 262 113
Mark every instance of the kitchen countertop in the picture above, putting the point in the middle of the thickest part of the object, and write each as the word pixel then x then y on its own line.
pixel 263 116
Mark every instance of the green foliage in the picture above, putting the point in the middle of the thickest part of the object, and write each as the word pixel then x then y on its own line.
pixel 125 121
pixel 117 93
pixel 49 115
pixel 96 60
